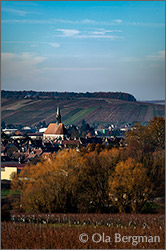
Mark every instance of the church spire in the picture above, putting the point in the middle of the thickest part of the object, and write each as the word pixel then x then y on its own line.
pixel 58 116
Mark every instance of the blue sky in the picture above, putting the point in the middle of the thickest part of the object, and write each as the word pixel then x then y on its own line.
pixel 84 46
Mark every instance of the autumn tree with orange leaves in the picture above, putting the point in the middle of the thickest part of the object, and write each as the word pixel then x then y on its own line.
pixel 49 185
pixel 96 178
pixel 129 186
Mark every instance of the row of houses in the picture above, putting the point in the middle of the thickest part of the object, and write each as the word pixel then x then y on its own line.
pixel 21 148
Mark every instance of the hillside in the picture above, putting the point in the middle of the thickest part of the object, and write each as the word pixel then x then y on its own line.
pixel 28 111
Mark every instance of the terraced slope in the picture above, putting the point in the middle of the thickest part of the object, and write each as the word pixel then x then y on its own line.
pixel 103 110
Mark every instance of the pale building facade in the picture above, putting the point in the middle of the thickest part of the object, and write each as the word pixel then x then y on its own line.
pixel 7 172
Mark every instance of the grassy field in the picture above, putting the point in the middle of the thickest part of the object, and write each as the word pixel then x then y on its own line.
pixel 4 193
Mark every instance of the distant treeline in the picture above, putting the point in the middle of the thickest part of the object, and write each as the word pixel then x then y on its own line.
pixel 65 95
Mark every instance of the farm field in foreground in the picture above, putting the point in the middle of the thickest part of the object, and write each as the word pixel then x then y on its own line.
pixel 65 230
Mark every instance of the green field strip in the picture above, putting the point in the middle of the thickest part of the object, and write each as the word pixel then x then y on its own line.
pixel 70 114
pixel 79 115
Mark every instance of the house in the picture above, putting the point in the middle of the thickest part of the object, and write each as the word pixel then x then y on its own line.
pixel 32 153
pixel 8 131
pixel 18 135
pixel 35 136
pixel 8 168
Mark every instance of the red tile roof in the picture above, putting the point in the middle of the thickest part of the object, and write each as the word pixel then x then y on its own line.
pixel 34 151
pixel 18 132
pixel 55 130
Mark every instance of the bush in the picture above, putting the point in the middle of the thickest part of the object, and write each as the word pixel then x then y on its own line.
pixel 150 207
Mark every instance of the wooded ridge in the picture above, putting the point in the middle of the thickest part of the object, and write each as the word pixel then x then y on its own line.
pixel 66 95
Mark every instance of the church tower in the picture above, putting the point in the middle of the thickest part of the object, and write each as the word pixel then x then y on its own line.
pixel 55 131
pixel 58 116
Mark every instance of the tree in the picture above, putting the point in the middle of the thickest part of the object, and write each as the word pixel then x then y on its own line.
pixel 44 124
pixel 138 142
pixel 143 141
pixel 83 123
pixel 156 172
pixel 110 158
pixel 90 147
pixel 73 132
pixel 10 126
pixel 156 128
pixel 147 139
pixel 49 186
pixel 3 125
pixel 129 186
pixel 92 184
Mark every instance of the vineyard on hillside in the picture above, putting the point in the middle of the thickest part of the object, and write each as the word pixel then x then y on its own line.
pixel 93 110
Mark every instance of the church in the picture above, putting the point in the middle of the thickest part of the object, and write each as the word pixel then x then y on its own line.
pixel 55 130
